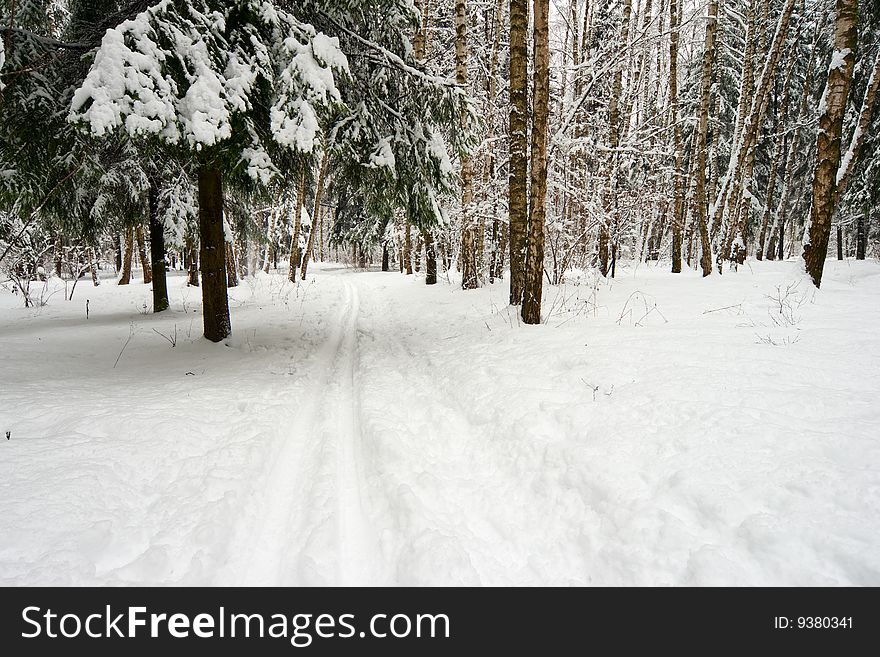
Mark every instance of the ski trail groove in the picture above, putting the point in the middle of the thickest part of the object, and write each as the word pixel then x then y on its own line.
pixel 272 538
pixel 359 554
pixel 296 496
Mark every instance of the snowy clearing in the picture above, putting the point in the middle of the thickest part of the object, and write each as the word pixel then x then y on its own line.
pixel 361 428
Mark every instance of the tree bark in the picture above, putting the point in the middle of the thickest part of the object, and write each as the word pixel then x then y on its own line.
pixel 518 127
pixel 295 255
pixel 699 210
pixel 142 255
pixel 862 234
pixel 430 258
pixel 93 267
pixel 212 254
pixel 386 263
pixel 467 259
pixel 407 249
pixel 231 268
pixel 534 279
pixel 157 251
pixel 125 278
pixel 677 174
pixel 829 138
pixel 192 262
pixel 316 209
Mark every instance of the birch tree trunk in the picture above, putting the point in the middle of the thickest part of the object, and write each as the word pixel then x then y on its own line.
pixel 142 255
pixel 319 191
pixel 295 255
pixel 467 259
pixel 699 210
pixel 829 138
pixel 534 279
pixel 518 126
pixel 193 262
pixel 93 267
pixel 127 255
pixel 677 174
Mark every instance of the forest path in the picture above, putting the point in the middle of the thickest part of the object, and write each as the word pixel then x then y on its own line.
pixel 311 522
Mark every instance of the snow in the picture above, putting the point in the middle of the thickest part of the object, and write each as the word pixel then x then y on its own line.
pixel 2 60
pixel 846 160
pixel 132 81
pixel 838 59
pixel 383 156
pixel 362 428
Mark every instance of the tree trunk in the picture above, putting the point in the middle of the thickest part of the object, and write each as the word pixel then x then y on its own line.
pixel 270 239
pixel 609 201
pixel 118 243
pixel 125 278
pixel 212 254
pixel 677 174
pixel 407 249
pixel 316 209
pixel 231 268
pixel 699 210
pixel 192 262
pixel 467 259
pixel 93 267
pixel 829 139
pixel 862 234
pixel 295 255
pixel 142 255
pixel 59 254
pixel 534 280
pixel 430 258
pixel 518 177
pixel 157 251
pixel 386 260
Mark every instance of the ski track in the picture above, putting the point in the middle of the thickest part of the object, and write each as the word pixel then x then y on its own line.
pixel 298 528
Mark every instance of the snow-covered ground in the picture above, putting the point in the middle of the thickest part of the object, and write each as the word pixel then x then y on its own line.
pixel 362 428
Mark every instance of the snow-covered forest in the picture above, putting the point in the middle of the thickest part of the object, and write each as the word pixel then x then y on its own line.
pixel 456 292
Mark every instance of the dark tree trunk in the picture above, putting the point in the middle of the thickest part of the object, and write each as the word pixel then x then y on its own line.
pixel 407 250
pixel 518 135
pixel 386 265
pixel 118 254
pixel 125 278
pixel 212 253
pixel 192 262
pixel 862 235
pixel 157 252
pixel 430 259
pixel 534 274
pixel 231 269
pixel 59 254
pixel 839 243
